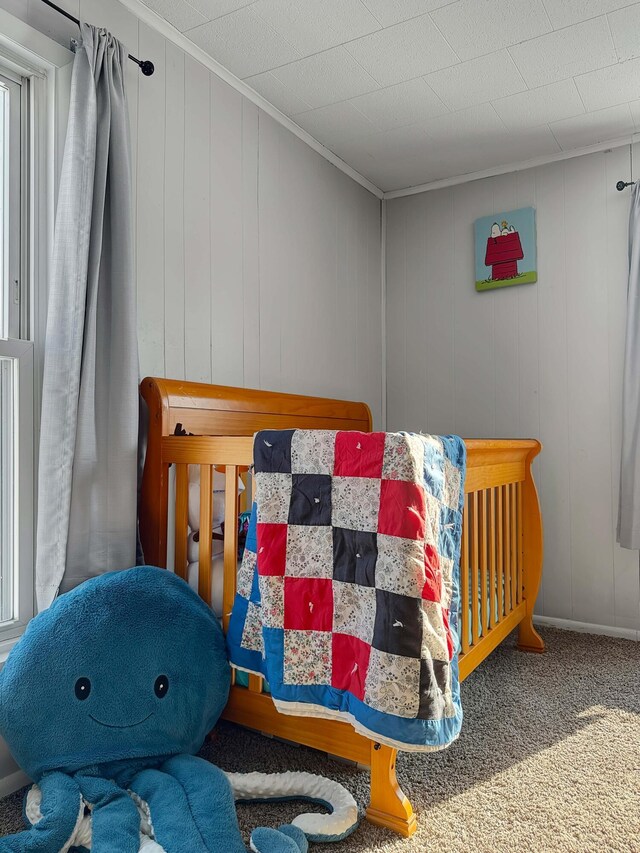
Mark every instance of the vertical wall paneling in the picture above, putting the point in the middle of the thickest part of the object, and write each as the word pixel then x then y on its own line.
pixel 250 246
pixel 174 232
pixel 588 391
pixel 554 386
pixel 226 198
pixel 438 328
pixel 197 231
pixel 473 324
pixel 506 324
pixel 543 360
pixel 269 184
pixel 395 312
pixel 151 207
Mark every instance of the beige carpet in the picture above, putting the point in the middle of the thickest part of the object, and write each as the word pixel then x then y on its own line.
pixel 548 760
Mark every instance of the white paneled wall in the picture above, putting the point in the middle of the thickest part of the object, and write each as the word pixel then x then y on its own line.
pixel 258 263
pixel 541 360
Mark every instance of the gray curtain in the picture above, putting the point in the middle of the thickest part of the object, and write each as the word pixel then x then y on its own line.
pixel 629 506
pixel 89 427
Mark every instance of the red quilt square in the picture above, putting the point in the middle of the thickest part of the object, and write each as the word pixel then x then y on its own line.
pixel 350 664
pixel 402 509
pixel 308 604
pixel 359 454
pixel 272 549
pixel 432 590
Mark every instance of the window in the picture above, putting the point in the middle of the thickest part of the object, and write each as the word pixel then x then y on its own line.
pixel 16 362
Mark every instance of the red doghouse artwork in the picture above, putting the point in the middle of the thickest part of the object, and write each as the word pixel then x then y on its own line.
pixel 504 250
pixel 506 245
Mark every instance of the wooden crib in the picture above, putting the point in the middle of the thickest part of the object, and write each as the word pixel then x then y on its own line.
pixel 501 558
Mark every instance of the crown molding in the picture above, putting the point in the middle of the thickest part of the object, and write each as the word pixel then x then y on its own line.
pixel 514 167
pixel 152 19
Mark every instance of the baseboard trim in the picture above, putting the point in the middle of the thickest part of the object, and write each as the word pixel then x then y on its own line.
pixel 588 628
pixel 13 782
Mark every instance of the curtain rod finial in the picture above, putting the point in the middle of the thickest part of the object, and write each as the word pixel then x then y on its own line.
pixel 147 67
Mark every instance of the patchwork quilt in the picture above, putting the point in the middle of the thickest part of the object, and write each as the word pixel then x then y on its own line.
pixel 347 600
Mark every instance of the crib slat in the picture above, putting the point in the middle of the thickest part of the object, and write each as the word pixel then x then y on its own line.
pixel 181 520
pixel 204 545
pixel 483 562
pixel 230 542
pixel 475 568
pixel 494 616
pixel 464 578
pixel 500 554
pixel 507 551
pixel 255 683
pixel 514 545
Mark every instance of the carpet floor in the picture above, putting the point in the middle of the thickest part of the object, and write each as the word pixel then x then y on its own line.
pixel 548 760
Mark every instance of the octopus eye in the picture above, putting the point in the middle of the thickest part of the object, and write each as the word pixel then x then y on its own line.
pixel 161 686
pixel 82 688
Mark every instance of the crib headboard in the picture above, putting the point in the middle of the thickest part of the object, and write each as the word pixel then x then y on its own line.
pixel 220 410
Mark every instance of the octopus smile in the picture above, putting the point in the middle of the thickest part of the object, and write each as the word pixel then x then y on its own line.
pixel 112 726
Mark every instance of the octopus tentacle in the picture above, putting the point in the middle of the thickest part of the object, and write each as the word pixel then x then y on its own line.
pixel 115 821
pixel 189 798
pixel 286 839
pixel 61 807
pixel 173 826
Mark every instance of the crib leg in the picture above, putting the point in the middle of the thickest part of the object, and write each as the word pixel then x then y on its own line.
pixel 388 806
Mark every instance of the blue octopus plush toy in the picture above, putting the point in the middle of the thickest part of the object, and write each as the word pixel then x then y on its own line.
pixel 104 702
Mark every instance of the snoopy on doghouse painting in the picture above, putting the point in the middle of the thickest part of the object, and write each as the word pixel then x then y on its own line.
pixel 506 249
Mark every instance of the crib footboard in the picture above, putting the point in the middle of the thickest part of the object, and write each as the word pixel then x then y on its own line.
pixel 501 551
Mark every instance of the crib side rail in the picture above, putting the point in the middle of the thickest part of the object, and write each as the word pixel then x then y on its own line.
pixel 501 549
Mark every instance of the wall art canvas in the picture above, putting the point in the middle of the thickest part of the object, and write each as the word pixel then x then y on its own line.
pixel 506 249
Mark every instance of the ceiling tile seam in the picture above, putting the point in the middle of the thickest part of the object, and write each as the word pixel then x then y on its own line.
pixel 306 56
pixel 288 88
pixel 197 12
pixel 360 65
pixel 583 20
pixel 448 110
pixel 327 49
pixel 613 41
pixel 446 40
pixel 267 25
pixel 546 11
pixel 209 20
pixel 461 62
pixel 372 13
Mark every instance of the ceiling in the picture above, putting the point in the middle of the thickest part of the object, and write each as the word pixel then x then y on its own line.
pixel 412 91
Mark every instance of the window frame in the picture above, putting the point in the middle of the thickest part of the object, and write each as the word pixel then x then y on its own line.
pixel 44 67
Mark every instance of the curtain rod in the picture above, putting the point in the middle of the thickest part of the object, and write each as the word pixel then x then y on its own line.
pixel 146 66
pixel 622 184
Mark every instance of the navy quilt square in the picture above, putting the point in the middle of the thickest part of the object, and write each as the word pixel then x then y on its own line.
pixel 398 626
pixel 355 553
pixel 272 451
pixel 310 499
